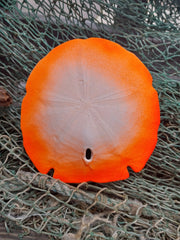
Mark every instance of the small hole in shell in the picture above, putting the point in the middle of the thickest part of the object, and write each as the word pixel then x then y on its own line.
pixel 88 155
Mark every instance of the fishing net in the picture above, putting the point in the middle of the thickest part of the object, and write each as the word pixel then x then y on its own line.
pixel 146 206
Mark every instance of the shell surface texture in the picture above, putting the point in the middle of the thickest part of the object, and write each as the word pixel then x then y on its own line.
pixel 90 111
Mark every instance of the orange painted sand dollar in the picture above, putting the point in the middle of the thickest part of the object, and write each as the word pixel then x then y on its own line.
pixel 90 112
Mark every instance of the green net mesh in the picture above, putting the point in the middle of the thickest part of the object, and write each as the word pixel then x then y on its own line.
pixel 147 205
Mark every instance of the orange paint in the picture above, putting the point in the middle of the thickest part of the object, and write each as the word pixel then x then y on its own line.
pixel 90 111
